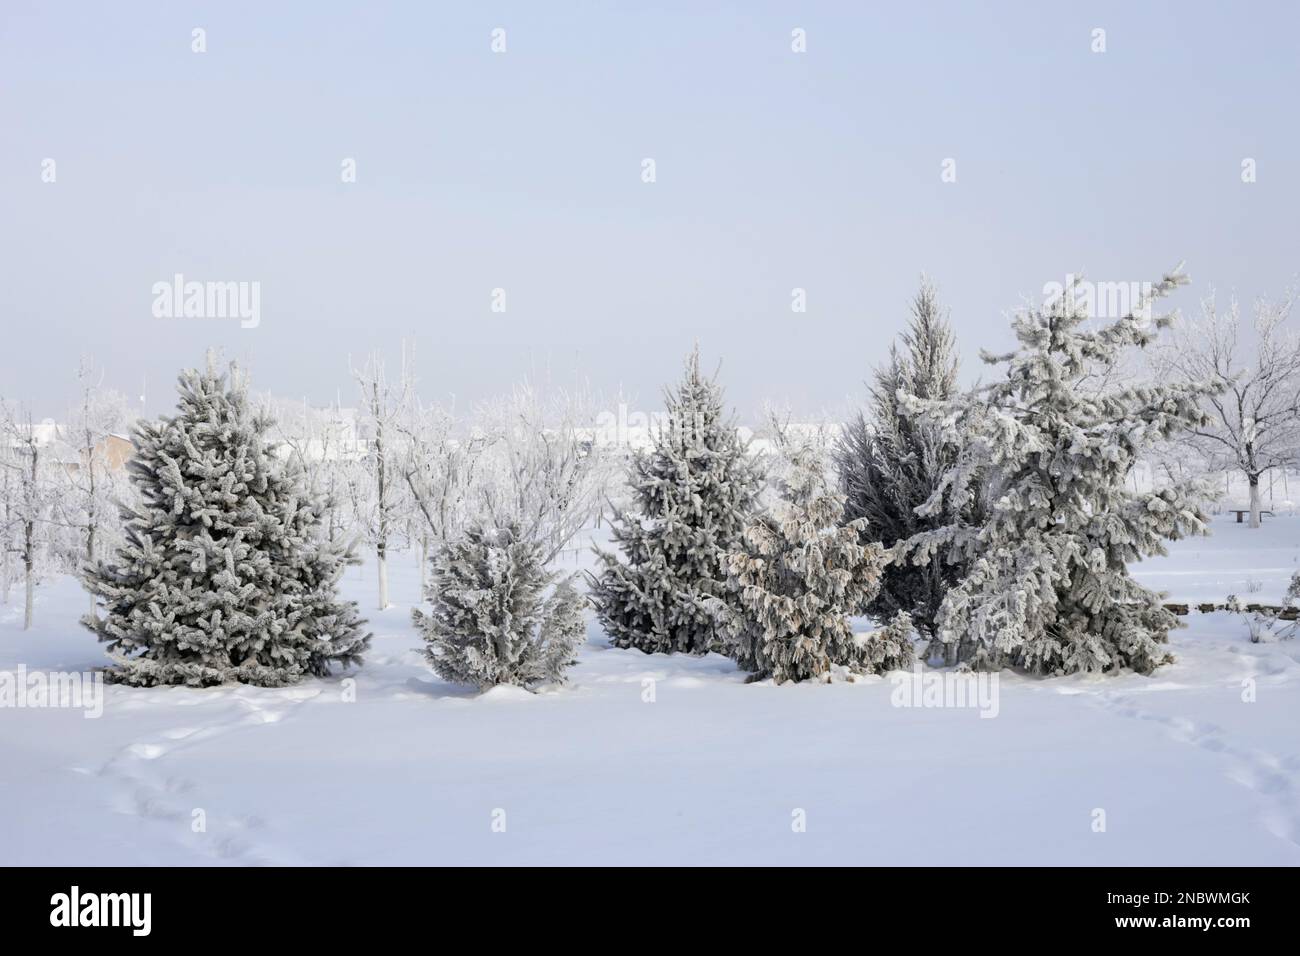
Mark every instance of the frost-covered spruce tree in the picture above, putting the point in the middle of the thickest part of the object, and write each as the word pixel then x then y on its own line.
pixel 493 621
pixel 691 496
pixel 797 576
pixel 1047 586
pixel 224 574
pixel 889 462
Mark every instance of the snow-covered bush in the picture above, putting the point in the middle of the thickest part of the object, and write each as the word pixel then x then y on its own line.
pixel 797 575
pixel 224 574
pixel 890 648
pixel 1047 586
pixel 1290 602
pixel 692 495
pixel 492 620
pixel 1268 625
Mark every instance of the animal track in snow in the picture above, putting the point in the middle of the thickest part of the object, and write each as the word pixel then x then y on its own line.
pixel 145 751
pixel 1258 771
pixel 152 796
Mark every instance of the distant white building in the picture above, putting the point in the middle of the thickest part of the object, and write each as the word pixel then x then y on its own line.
pixel 55 446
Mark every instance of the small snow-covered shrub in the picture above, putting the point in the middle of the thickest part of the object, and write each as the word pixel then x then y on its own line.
pixel 796 577
pixel 1270 626
pixel 1266 625
pixel 1291 601
pixel 890 648
pixel 1260 627
pixel 1292 597
pixel 492 621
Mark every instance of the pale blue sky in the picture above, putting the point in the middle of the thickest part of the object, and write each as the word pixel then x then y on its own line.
pixel 478 170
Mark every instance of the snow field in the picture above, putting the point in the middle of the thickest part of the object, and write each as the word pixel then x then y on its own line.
pixel 389 765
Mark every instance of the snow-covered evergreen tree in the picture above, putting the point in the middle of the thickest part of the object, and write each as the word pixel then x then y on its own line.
pixel 890 462
pixel 224 574
pixel 1047 586
pixel 692 494
pixel 800 572
pixel 493 621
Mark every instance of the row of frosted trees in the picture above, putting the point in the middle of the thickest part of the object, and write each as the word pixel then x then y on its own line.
pixel 391 474
pixel 59 487
pixel 235 539
pixel 994 525
pixel 998 522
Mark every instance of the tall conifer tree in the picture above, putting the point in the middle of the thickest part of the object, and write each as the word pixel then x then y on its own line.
pixel 691 497
pixel 890 462
pixel 1047 585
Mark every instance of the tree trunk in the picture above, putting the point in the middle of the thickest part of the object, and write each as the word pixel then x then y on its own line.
pixel 381 500
pixel 424 562
pixel 29 537
pixel 31 597
pixel 1254 500
pixel 6 570
pixel 90 559
pixel 92 513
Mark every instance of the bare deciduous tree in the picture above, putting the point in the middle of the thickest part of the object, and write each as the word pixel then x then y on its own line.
pixel 539 470
pixel 379 500
pixel 320 442
pixel 1255 421
pixel 439 466
pixel 88 505
pixel 27 497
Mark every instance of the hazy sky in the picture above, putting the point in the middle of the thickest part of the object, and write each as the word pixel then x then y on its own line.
pixel 522 170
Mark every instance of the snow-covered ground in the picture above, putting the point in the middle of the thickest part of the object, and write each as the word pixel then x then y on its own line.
pixel 414 771
pixel 1255 564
